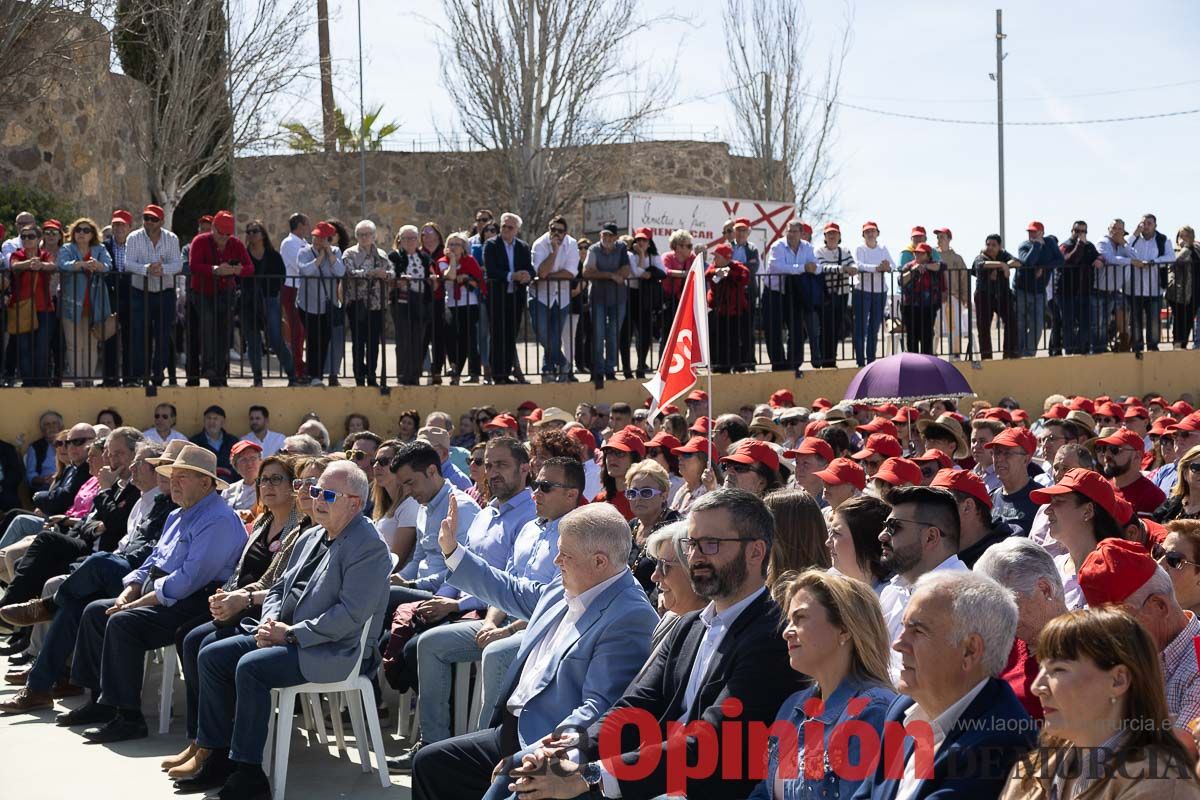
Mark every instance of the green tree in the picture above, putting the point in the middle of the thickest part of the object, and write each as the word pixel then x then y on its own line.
pixel 301 139
pixel 15 198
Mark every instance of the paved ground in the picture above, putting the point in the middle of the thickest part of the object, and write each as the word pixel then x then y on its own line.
pixel 42 761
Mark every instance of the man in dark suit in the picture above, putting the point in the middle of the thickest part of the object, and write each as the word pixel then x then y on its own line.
pixel 958 632
pixel 723 667
pixel 508 267
pixel 214 437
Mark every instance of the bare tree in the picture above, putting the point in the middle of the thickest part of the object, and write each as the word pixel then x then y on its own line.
pixel 41 40
pixel 786 108
pixel 542 84
pixel 213 85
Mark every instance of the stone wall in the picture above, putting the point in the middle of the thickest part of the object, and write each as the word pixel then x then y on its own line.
pixel 448 187
pixel 74 140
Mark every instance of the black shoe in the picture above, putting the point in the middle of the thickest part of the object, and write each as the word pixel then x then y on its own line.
pixel 258 382
pixel 297 382
pixel 190 382
pixel 598 381
pixel 403 763
pixel 90 714
pixel 20 659
pixel 248 782
pixel 215 772
pixel 217 383
pixel 612 376
pixel 17 643
pixel 120 728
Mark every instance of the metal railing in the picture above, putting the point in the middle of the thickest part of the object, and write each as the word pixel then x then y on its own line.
pixel 372 332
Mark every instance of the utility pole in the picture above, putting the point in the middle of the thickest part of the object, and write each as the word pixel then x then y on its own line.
pixel 362 125
pixel 999 78
pixel 325 63
pixel 768 154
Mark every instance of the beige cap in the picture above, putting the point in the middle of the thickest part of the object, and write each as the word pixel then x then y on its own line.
pixel 554 414
pixel 437 437
pixel 170 452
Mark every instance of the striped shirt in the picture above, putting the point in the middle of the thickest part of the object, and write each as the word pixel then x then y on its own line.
pixel 141 252
pixel 1182 674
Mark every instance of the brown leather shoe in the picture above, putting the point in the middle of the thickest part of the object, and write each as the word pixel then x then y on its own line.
pixel 17 678
pixel 181 758
pixel 190 767
pixel 31 612
pixel 64 688
pixel 25 701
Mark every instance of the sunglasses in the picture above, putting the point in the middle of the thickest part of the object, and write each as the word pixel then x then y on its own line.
pixel 892 525
pixel 300 483
pixel 85 229
pixel 162 416
pixel 645 493
pixel 148 218
pixel 740 469
pixel 476 462
pixel 356 455
pixel 545 487
pixel 1194 467
pixel 380 462
pixel 1173 558
pixel 29 237
pixel 80 441
pixel 558 230
pixel 708 545
pixel 60 443
pixel 328 495
pixel 253 230
pixel 1111 450
pixel 271 480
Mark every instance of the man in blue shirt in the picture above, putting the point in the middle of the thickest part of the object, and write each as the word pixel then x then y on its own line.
pixel 439 440
pixel 788 259
pixel 1040 257
pixel 195 555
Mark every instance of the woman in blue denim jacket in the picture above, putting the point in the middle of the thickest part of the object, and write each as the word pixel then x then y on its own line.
pixel 84 300
pixel 836 634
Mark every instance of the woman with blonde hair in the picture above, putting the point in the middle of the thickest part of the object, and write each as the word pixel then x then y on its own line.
pixel 647 487
pixel 83 299
pixel 1184 501
pixel 836 635
pixel 800 534
pixel 1183 286
pixel 1108 733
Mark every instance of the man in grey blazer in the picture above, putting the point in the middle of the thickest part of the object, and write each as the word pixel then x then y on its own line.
pixel 588 635
pixel 311 625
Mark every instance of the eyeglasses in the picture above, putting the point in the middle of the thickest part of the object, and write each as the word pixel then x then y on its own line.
pixel 253 230
pixel 29 237
pixel 271 480
pixel 558 230
pixel 892 524
pixel 1111 450
pixel 710 545
pixel 740 469
pixel 85 229
pixel 545 487
pixel 300 483
pixel 645 493
pixel 80 441
pixel 664 567
pixel 162 416
pixel 483 420
pixel 476 462
pixel 1173 558
pixel 148 218
pixel 328 495
pixel 380 462
pixel 356 455
pixel 60 443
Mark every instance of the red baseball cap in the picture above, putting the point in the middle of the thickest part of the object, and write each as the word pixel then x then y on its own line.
pixel 643 233
pixel 696 396
pixel 205 218
pixel 223 224
pixel 121 215
pixel 880 425
pixel 811 445
pixel 1081 403
pixel 243 446
pixel 154 211
pixel 831 226
pixel 1180 407
pixel 535 415
pixel 782 398
pixel 1135 412
pixel 815 427
pixel 886 409
pixel 923 247
pixel 752 451
pixel 935 455
pixel 502 421
pixel 1189 423
pixel 322 229
pixel 48 225
pixel 664 440
pixel 701 426
pixel 1162 426
pixel 1056 411
pixel 1020 415
pixel 723 249
pixel 1092 485
pixel 626 442
pixel 584 437
pixel 1014 437
pixel 906 415
pixel 670 408
pixel 843 470
pixel 821 404
pixel 880 444
pixel 998 414
pixel 696 444
pixel 1110 409
pixel 636 431
pixel 1035 226
pixel 943 230
pixel 742 221
pixel 918 230
pixel 1157 400
pixel 806 228
pixel 528 405
pixel 899 471
pixel 1124 438
pixel 870 225
pixel 1115 570
pixel 965 481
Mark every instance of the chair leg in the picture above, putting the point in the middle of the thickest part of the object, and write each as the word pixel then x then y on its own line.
pixel 283 739
pixel 268 749
pixel 476 697
pixel 354 701
pixel 404 714
pixel 170 663
pixel 376 734
pixel 314 707
pixel 335 719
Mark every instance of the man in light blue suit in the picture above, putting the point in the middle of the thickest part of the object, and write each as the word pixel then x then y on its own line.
pixel 589 634
pixel 310 632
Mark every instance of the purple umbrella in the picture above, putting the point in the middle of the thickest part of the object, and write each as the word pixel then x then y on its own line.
pixel 905 378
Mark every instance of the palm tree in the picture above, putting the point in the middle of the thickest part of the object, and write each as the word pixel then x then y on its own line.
pixel 346 140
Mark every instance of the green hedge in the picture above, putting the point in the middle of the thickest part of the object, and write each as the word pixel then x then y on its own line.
pixel 15 198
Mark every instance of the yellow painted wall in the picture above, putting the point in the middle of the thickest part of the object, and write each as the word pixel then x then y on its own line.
pixel 1028 380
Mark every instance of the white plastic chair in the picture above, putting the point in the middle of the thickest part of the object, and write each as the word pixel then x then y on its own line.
pixel 467 702
pixel 166 690
pixel 359 695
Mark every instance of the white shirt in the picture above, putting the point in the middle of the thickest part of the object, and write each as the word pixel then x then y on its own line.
pixel 1143 281
pixel 289 251
pixel 140 509
pixel 1072 594
pixel 405 516
pixel 1039 533
pixel 717 625
pixel 639 266
pixel 141 252
pixel 894 599
pixel 240 496
pixel 9 247
pixel 591 479
pixel 868 259
pixel 152 436
pixel 271 444
pixel 941 724
pixel 555 291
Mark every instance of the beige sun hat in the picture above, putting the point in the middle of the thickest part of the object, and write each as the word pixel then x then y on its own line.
pixel 194 459
pixel 170 452
pixel 554 414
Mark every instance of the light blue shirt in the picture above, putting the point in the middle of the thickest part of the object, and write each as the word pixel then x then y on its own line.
pixel 200 545
pixel 534 551
pixel 783 260
pixel 427 567
pixel 43 470
pixel 491 537
pixel 458 479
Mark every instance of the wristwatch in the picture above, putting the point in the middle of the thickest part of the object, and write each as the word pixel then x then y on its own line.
pixel 290 638
pixel 590 772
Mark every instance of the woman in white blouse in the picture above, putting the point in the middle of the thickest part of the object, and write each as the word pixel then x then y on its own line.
pixel 870 293
pixel 394 514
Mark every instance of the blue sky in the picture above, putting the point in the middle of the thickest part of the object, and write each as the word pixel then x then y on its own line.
pixel 1066 60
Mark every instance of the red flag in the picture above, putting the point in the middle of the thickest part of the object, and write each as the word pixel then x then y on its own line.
pixel 687 346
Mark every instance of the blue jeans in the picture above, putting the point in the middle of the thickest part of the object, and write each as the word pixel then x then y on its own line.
pixel 812 320
pixel 438 649
pixel 189 656
pixel 236 679
pixel 493 669
pixel 868 319
pixel 22 526
pixel 99 576
pixel 1147 316
pixel 606 333
pixel 152 321
pixel 273 314
pixel 548 324
pixel 1031 320
pixel 33 351
pixel 1076 311
pixel 1104 305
